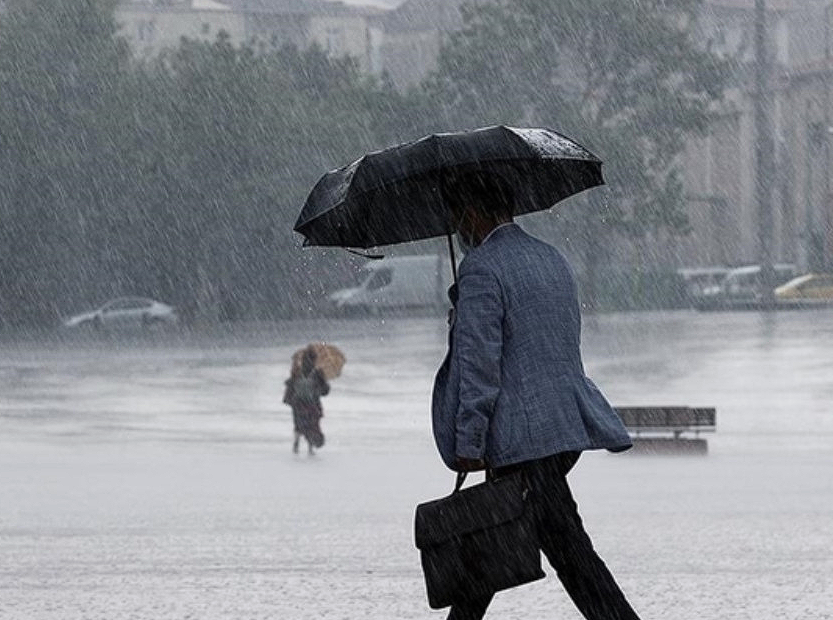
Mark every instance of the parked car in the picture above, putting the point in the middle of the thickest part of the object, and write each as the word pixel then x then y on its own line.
pixel 396 283
pixel 125 312
pixel 696 280
pixel 810 289
pixel 741 288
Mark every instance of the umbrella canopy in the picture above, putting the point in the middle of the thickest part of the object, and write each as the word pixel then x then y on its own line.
pixel 328 359
pixel 393 196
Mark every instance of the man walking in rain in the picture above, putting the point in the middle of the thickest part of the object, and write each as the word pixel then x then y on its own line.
pixel 511 394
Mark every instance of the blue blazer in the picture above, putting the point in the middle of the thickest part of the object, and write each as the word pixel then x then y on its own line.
pixel 512 387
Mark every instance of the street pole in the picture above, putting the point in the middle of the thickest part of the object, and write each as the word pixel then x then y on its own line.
pixel 809 217
pixel 827 202
pixel 764 160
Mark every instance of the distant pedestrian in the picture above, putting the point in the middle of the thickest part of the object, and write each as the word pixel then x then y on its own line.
pixel 304 389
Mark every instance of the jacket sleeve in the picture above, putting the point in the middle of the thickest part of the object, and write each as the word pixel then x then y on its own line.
pixel 478 340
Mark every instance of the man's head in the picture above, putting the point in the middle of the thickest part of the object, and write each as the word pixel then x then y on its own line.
pixel 477 202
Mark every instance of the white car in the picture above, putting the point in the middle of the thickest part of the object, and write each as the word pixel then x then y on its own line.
pixel 396 283
pixel 125 312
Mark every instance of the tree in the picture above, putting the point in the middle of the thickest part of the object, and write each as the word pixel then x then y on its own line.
pixel 628 79
pixel 61 67
pixel 178 178
pixel 242 135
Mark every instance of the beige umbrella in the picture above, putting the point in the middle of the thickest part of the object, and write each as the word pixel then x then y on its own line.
pixel 328 359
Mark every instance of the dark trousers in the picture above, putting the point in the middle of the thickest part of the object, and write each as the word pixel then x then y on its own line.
pixel 565 544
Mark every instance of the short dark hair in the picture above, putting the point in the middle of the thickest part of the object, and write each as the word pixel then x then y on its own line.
pixel 486 192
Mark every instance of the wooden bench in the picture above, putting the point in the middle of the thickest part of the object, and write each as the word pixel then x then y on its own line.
pixel 664 420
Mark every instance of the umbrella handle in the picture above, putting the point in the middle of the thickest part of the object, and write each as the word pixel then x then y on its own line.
pixel 453 260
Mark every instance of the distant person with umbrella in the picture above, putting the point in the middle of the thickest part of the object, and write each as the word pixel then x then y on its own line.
pixel 511 395
pixel 306 385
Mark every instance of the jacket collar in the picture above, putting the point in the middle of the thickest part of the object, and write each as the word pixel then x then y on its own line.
pixel 497 230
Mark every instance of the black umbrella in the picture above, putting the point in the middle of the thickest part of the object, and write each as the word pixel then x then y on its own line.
pixel 393 196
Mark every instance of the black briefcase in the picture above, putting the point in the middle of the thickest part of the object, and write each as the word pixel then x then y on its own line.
pixel 478 540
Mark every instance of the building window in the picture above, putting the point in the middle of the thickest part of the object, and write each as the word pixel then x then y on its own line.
pixel 335 41
pixel 146 31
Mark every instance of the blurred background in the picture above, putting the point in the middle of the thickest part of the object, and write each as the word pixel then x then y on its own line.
pixel 163 148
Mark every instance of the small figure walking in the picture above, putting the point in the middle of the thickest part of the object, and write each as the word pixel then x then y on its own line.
pixel 304 389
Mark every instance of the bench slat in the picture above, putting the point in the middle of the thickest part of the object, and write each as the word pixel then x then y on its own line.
pixel 668 418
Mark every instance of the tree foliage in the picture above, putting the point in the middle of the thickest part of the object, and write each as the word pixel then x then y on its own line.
pixel 629 79
pixel 61 71
pixel 179 178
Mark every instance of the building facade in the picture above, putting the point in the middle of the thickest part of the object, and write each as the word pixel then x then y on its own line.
pixel 413 35
pixel 153 25
pixel 720 169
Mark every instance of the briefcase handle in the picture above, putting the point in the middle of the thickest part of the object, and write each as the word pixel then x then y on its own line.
pixel 461 478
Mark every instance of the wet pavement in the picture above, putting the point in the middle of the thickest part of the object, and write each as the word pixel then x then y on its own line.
pixel 153 478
